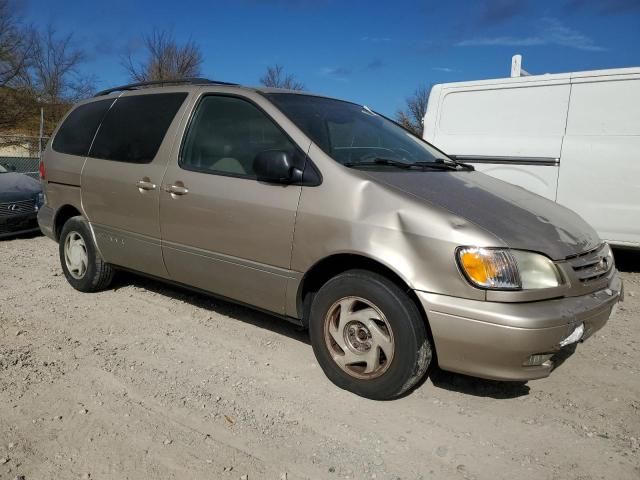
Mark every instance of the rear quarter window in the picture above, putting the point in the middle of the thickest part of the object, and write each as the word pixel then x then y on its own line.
pixel 75 135
pixel 135 126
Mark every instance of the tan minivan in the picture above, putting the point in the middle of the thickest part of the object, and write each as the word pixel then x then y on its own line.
pixel 329 215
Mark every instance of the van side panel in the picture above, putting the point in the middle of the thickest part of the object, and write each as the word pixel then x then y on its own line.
pixel 600 157
pixel 66 170
pixel 512 131
pixel 122 177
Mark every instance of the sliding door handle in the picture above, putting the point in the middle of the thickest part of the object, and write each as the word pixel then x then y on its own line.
pixel 176 189
pixel 145 185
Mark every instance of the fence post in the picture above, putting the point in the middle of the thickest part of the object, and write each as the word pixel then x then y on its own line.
pixel 41 132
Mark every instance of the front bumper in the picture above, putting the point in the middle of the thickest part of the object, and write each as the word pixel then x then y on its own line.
pixel 17 224
pixel 493 340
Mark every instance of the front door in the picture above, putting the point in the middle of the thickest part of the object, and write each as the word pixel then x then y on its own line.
pixel 121 179
pixel 222 230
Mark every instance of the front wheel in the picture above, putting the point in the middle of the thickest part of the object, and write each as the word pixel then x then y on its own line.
pixel 368 335
pixel 81 263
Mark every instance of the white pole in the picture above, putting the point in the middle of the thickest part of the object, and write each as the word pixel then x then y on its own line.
pixel 41 132
pixel 516 67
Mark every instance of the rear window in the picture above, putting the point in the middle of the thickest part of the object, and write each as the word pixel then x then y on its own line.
pixel 76 133
pixel 135 126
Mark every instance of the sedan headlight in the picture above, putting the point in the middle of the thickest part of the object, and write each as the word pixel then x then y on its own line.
pixel 505 269
pixel 39 201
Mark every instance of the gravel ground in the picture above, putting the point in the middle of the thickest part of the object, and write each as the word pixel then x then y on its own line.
pixel 148 381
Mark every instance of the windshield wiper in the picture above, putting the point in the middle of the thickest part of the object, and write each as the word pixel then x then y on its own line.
pixel 378 161
pixel 437 164
pixel 454 163
pixel 442 164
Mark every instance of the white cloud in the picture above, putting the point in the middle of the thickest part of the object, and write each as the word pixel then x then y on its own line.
pixel 336 73
pixel 502 42
pixel 551 32
pixel 375 39
pixel 560 34
pixel 445 69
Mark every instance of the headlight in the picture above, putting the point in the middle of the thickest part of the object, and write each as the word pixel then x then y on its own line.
pixel 536 271
pixel 39 200
pixel 505 269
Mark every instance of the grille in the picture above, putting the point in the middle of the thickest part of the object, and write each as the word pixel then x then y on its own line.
pixel 593 264
pixel 10 224
pixel 10 209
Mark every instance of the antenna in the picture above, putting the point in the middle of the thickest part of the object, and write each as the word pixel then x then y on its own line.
pixel 516 67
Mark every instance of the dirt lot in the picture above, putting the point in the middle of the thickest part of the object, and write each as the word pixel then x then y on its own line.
pixel 149 381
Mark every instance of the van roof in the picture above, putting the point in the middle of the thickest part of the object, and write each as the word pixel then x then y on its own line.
pixel 160 83
pixel 192 82
pixel 548 76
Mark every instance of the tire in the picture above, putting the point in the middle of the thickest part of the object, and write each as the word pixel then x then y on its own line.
pixel 368 335
pixel 81 263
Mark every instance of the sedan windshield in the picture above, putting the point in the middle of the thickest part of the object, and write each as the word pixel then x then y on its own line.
pixel 358 137
pixel 3 170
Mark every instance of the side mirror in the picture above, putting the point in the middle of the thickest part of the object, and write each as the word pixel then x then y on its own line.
pixel 276 166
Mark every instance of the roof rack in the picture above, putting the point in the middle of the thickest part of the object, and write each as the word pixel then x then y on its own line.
pixel 516 67
pixel 179 81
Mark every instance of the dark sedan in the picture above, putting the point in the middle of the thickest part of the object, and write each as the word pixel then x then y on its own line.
pixel 20 199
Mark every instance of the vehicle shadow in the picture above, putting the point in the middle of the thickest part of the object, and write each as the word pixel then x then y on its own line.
pixel 22 236
pixel 214 304
pixel 478 387
pixel 449 381
pixel 627 260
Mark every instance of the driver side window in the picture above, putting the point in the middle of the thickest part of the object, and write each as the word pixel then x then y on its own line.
pixel 225 136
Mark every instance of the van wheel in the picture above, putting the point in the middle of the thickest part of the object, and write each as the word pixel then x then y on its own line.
pixel 368 335
pixel 82 265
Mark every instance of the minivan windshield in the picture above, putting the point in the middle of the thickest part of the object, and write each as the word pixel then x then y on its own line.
pixel 358 137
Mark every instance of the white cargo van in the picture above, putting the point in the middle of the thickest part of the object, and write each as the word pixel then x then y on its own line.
pixel 572 137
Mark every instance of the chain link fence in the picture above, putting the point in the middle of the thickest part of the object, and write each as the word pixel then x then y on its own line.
pixel 19 153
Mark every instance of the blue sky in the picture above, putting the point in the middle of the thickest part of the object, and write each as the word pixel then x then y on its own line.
pixel 370 52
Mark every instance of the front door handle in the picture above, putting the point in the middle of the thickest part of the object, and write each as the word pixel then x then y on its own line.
pixel 176 189
pixel 145 185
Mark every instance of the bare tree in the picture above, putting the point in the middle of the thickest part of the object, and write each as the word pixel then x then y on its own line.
pixel 55 71
pixel 55 74
pixel 37 69
pixel 165 59
pixel 16 47
pixel 412 115
pixel 275 77
pixel 16 44
pixel 17 109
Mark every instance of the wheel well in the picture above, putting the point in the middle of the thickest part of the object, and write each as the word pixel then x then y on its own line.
pixel 329 267
pixel 64 214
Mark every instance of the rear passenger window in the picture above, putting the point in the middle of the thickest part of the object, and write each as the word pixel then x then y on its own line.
pixel 135 126
pixel 226 134
pixel 76 133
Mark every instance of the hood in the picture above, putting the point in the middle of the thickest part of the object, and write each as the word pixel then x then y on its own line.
pixel 521 219
pixel 15 187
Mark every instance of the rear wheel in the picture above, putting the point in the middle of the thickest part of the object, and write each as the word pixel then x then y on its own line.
pixel 368 335
pixel 81 263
